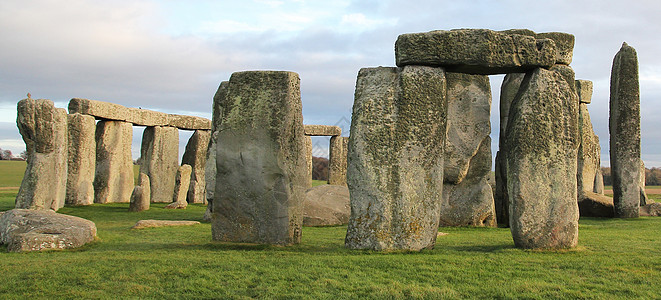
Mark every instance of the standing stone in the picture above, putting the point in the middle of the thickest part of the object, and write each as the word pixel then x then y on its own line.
pixel 589 153
pixel 196 156
pixel 44 131
pixel 599 182
pixel 337 164
pixel 625 133
pixel 643 195
pixel 160 160
pixel 210 168
pixel 140 199
pixel 308 160
pixel 542 144
pixel 82 160
pixel 508 90
pixel 261 165
pixel 113 179
pixel 181 187
pixel 395 163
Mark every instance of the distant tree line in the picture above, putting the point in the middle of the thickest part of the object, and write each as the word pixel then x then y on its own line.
pixel 319 168
pixel 652 176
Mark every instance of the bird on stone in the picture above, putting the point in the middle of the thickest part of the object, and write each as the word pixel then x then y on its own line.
pixel 29 96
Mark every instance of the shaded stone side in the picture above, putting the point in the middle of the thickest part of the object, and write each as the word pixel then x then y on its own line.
pixel 624 128
pixel 644 200
pixel 542 144
pixel 337 164
pixel 261 165
pixel 210 167
pixel 141 196
pixel 113 179
pixel 159 159
pixel 196 156
pixel 395 162
pixel 44 131
pixel 82 160
pixel 589 153
pixel 182 182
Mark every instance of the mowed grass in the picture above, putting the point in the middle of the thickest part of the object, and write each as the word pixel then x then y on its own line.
pixel 615 259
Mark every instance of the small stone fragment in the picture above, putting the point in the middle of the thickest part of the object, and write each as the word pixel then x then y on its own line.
pixel 181 187
pixel 141 197
pixel 162 223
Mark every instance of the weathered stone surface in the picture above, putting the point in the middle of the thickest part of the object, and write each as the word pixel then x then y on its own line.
pixel 44 131
pixel 475 51
pixel 542 144
pixel 24 230
pixel 599 182
pixel 589 152
pixel 322 130
pixel 337 164
pixel 595 205
pixel 308 160
pixel 395 163
pixel 113 179
pixel 564 43
pixel 651 210
pixel 261 166
pixel 143 117
pixel 468 124
pixel 82 160
pixel 219 102
pixel 508 90
pixel 643 195
pixel 196 156
pixel 584 91
pixel 181 187
pixel 160 160
pixel 326 205
pixel 141 196
pixel 162 223
pixel 624 131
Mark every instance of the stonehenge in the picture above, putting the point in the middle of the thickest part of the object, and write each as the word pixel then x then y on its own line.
pixel 82 160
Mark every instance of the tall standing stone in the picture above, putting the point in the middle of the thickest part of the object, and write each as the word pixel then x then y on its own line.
pixel 337 164
pixel 308 158
pixel 160 160
pixel 395 163
pixel 44 131
pixel 113 179
pixel 261 165
pixel 624 127
pixel 210 168
pixel 542 145
pixel 196 156
pixel 82 160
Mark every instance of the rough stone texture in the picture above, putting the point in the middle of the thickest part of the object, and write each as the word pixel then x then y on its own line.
pixel 162 223
pixel 395 163
pixel 625 133
pixel 196 156
pixel 113 179
pixel 508 90
pixel 322 130
pixel 160 160
pixel 475 51
pixel 141 196
pixel 261 165
pixel 308 161
pixel 326 205
pixel 564 43
pixel 595 205
pixel 181 187
pixel 44 131
pixel 25 230
pixel 219 101
pixel 143 117
pixel 584 91
pixel 651 210
pixel 589 153
pixel 337 164
pixel 82 160
pixel 599 182
pixel 643 195
pixel 542 145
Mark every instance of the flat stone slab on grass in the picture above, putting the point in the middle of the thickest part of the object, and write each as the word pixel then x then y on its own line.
pixel 162 223
pixel 326 205
pixel 25 230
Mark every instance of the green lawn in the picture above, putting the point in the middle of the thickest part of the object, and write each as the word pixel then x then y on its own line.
pixel 11 173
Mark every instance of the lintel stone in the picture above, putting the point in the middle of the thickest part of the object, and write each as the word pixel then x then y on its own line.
pixel 322 130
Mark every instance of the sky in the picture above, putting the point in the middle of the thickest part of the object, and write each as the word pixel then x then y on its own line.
pixel 171 56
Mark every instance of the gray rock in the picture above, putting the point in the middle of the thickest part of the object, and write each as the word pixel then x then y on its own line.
pixel 82 160
pixel 542 145
pixel 261 165
pixel 625 133
pixel 113 179
pixel 308 158
pixel 337 164
pixel 141 196
pixel 181 187
pixel 651 210
pixel 24 230
pixel 584 91
pixel 475 51
pixel 196 156
pixel 564 43
pixel 589 153
pixel 595 205
pixel 643 195
pixel 160 160
pixel 326 205
pixel 599 182
pixel 162 223
pixel 395 163
pixel 322 130
pixel 219 102
pixel 44 131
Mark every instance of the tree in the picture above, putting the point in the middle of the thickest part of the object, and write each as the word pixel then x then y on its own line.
pixel 319 168
pixel 5 154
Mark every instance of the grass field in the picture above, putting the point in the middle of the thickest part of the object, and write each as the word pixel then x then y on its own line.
pixel 615 259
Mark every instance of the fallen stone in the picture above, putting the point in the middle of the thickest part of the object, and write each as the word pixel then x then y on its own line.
pixel 82 160
pixel 395 163
pixel 25 230
pixel 322 130
pixel 162 223
pixel 625 133
pixel 181 188
pixel 44 131
pixel 141 196
pixel 651 210
pixel 337 164
pixel 326 205
pixel 113 179
pixel 160 160
pixel 595 205
pixel 475 51
pixel 196 156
